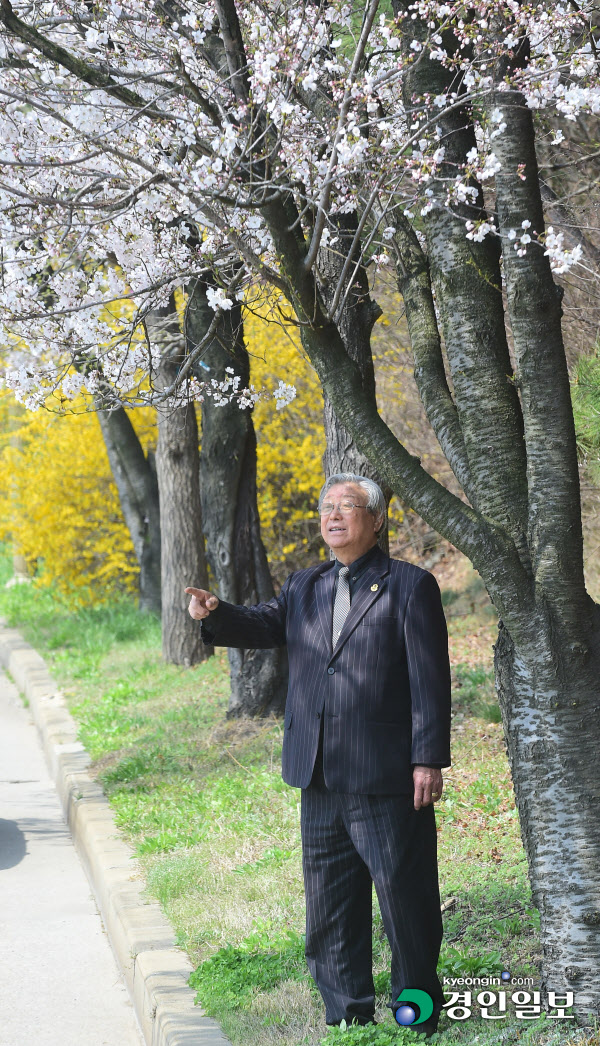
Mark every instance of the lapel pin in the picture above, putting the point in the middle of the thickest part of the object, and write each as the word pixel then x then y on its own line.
pixel 374 588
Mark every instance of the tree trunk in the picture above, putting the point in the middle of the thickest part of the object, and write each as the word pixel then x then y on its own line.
pixel 137 485
pixel 183 561
pixel 230 512
pixel 182 552
pixel 550 705
pixel 548 665
pixel 467 280
pixel 355 315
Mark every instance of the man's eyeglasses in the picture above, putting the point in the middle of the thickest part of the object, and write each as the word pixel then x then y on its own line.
pixel 346 507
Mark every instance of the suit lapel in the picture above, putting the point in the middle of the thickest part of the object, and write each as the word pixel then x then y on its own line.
pixel 372 584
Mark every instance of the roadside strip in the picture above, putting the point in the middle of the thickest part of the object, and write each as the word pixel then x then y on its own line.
pixel 155 971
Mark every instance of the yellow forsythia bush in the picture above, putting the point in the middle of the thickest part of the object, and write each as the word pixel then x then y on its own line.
pixel 59 505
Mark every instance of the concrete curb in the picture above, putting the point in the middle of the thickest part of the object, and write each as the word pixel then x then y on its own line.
pixel 155 971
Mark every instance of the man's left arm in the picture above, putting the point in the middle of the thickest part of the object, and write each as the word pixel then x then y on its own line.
pixel 426 638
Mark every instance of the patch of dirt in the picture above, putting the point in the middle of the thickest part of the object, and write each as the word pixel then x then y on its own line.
pixel 233 732
pixel 105 762
pixel 452 569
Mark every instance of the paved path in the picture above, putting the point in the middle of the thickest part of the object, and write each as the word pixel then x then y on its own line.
pixel 59 983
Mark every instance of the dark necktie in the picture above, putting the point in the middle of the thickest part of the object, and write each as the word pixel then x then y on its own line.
pixel 341 606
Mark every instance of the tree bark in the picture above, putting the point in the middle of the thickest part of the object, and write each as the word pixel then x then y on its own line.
pixel 548 666
pixel 230 511
pixel 356 316
pixel 534 310
pixel 183 560
pixel 137 485
pixel 550 704
pixel 414 284
pixel 182 552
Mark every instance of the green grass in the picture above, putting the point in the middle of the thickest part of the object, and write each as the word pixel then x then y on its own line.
pixel 234 976
pixel 585 394
pixel 217 831
pixel 474 692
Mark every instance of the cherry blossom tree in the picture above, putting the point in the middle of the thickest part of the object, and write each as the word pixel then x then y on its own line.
pixel 294 150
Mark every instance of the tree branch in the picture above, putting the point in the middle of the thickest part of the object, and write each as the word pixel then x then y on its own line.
pixel 478 538
pixel 234 49
pixel 561 214
pixel 534 308
pixel 414 283
pixel 323 202
pixel 81 69
pixel 343 382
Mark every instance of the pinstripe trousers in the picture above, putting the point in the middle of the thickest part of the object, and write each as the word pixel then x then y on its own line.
pixel 350 842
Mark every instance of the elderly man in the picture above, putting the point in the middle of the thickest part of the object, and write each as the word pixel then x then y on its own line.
pixel 366 733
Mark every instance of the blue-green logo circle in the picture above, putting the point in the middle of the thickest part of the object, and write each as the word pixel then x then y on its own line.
pixel 406 1013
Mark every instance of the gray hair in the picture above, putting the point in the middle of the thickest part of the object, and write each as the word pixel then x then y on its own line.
pixel 375 500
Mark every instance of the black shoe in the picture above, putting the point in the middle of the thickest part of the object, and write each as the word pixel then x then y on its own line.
pixel 425 1030
pixel 356 1021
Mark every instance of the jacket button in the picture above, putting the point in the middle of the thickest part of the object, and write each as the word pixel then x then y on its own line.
pixel 330 671
pixel 318 715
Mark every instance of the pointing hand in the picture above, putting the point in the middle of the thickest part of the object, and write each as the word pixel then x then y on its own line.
pixel 201 603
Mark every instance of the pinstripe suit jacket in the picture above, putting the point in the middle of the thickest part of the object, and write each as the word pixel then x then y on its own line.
pixel 385 692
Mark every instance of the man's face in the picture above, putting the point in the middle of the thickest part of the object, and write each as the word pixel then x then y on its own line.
pixel 348 535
